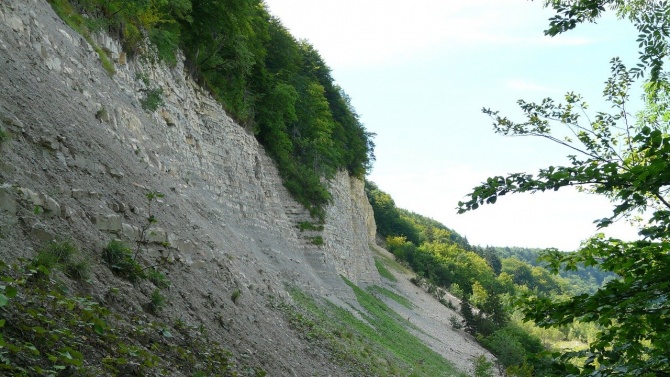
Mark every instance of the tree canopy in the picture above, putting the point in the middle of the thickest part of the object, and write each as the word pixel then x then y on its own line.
pixel 625 157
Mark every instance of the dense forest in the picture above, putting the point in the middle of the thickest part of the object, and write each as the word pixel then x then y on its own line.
pixel 277 87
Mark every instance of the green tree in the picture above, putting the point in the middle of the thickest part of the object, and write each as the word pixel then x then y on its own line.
pixel 627 162
pixel 649 17
pixel 387 216
pixel 479 295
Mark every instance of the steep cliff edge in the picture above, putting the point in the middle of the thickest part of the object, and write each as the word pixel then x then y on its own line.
pixel 81 156
pixel 86 127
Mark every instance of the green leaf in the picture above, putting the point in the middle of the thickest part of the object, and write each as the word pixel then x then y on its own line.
pixel 99 329
pixel 10 291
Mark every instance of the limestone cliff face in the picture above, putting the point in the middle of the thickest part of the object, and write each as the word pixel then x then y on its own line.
pixel 201 146
pixel 191 143
pixel 350 230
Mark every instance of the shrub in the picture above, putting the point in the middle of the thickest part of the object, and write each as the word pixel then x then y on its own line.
pixel 101 114
pixel 447 303
pixel 158 278
pixel 482 367
pixel 417 280
pixel 318 240
pixel 509 351
pixel 455 322
pixel 153 99
pixel 120 260
pixel 235 295
pixel 157 302
pixel 456 290
pixel 78 270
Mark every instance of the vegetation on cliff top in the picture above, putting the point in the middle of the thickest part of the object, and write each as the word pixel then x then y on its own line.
pixel 277 87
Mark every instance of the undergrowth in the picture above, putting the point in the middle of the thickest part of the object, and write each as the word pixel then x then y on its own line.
pixel 46 330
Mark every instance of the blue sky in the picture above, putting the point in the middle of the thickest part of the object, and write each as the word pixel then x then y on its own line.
pixel 419 73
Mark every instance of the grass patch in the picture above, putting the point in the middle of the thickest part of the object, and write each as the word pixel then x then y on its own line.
pixel 392 295
pixel 158 278
pixel 78 270
pixel 306 225
pixel 385 348
pixel 119 258
pixel 391 332
pixel 106 62
pixel 383 271
pixel 62 255
pixel 4 136
pixel 318 240
pixel 329 326
pixel 391 263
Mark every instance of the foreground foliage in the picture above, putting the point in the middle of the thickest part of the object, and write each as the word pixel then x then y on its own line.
pixel 627 159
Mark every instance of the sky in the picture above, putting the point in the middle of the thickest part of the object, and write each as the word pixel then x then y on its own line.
pixel 419 73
